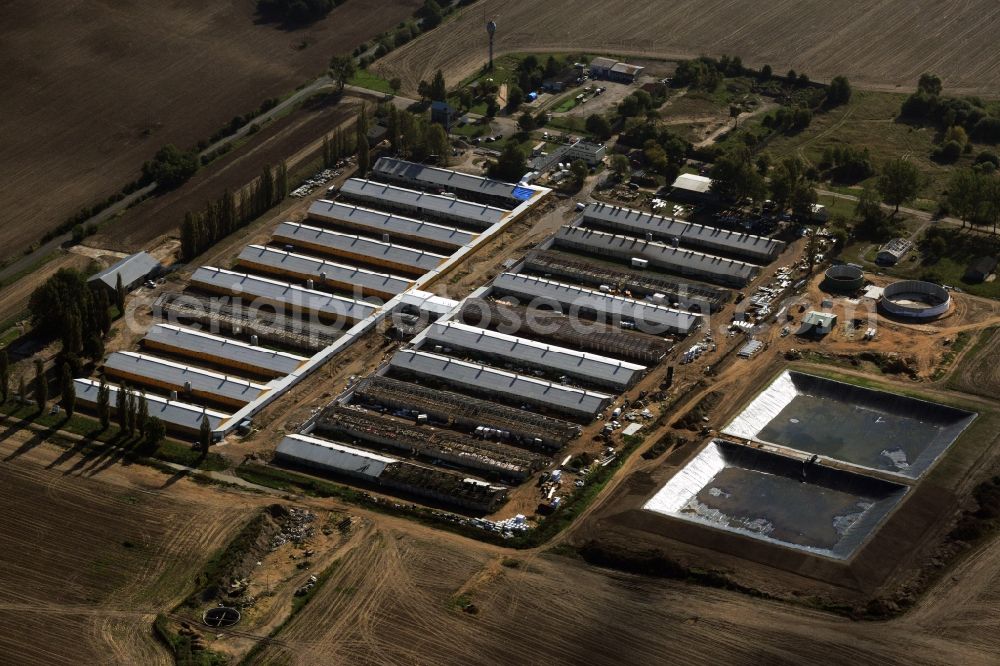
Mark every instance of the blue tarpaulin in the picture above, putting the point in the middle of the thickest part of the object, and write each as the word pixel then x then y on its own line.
pixel 522 193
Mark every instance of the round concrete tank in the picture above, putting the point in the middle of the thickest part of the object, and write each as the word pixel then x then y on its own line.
pixel 913 299
pixel 843 279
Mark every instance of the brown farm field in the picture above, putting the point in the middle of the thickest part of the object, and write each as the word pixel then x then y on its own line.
pixel 94 89
pixel 880 45
pixel 978 372
pixel 93 552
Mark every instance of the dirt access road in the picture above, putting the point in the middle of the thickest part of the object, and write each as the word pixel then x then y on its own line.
pixel 822 39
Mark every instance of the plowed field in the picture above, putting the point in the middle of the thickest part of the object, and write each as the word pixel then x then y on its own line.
pixel 92 552
pixel 93 89
pixel 876 44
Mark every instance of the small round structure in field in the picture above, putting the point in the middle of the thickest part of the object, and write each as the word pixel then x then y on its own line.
pixel 843 279
pixel 913 299
pixel 221 616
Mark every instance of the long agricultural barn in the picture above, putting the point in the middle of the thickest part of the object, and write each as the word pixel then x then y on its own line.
pixel 419 176
pixel 251 288
pixel 332 457
pixel 323 273
pixel 507 385
pixel 223 351
pixel 532 429
pixel 676 260
pixel 358 248
pixel 646 316
pixel 411 202
pixel 178 416
pixel 376 222
pixel 599 370
pixel 665 229
pixel 169 376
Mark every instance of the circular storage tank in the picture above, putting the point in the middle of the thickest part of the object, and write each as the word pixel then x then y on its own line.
pixel 914 299
pixel 844 279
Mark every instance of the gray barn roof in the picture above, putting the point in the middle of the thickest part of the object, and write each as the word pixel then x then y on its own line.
pixel 358 246
pixel 378 222
pixel 513 387
pixel 646 315
pixel 477 215
pixel 250 287
pixel 755 248
pixel 190 342
pixel 161 371
pixel 334 457
pixel 676 260
pixel 306 267
pixel 452 181
pixel 591 367
pixel 171 412
pixel 132 268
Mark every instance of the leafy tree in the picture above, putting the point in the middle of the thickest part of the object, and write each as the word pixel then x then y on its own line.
pixel 735 179
pixel 119 294
pixel 155 432
pixel 966 194
pixel 121 406
pixel 599 126
pixel 438 89
pixel 579 170
pixel 295 12
pixel 396 84
pixel 929 84
pixel 22 390
pixel 492 107
pixel 515 98
pixel 511 165
pixel 838 92
pixel 205 435
pixel 792 188
pixel 437 143
pixel 4 376
pixel 41 385
pixel 104 404
pixel 899 183
pixel 361 139
pixel 130 413
pixel 342 69
pixel 766 72
pixel 526 122
pixel 170 167
pixel 142 414
pixel 68 390
pixel 620 165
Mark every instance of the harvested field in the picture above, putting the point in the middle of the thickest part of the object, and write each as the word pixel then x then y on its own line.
pixel 398 597
pixel 93 90
pixel 293 138
pixel 877 45
pixel 979 371
pixel 92 552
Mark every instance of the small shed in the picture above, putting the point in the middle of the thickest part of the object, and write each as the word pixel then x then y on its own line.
pixel 893 251
pixel 691 187
pixel 980 269
pixel 817 324
pixel 133 269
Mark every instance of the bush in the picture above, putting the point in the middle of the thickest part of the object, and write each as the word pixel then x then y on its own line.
pixel 171 167
pixel 947 153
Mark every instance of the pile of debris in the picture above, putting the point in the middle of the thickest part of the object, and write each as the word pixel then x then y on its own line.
pixel 296 527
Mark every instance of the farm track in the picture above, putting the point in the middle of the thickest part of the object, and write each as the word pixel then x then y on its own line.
pixel 876 45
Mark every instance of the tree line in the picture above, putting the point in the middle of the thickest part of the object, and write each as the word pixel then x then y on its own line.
pixel 200 230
